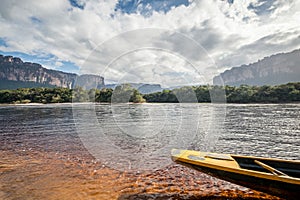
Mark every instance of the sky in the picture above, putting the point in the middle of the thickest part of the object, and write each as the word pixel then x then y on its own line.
pixel 170 42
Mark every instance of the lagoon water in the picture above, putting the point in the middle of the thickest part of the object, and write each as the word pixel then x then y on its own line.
pixel 135 137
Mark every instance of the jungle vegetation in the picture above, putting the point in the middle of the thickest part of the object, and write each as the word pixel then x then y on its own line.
pixel 124 93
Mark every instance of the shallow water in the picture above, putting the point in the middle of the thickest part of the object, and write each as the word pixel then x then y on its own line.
pixel 85 151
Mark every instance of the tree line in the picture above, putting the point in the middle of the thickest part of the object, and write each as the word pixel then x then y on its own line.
pixel 122 94
pixel 125 93
pixel 284 93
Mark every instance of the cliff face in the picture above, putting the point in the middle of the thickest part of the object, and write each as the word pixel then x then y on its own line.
pixel 14 69
pixel 149 88
pixel 276 69
pixel 89 81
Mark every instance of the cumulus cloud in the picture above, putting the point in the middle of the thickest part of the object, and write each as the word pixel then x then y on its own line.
pixel 93 34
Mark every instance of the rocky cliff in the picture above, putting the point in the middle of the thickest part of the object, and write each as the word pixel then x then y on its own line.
pixel 276 69
pixel 149 88
pixel 89 81
pixel 14 69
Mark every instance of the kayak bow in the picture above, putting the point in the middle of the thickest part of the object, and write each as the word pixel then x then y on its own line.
pixel 273 176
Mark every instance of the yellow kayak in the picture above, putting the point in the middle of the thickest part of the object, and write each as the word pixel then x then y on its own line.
pixel 273 176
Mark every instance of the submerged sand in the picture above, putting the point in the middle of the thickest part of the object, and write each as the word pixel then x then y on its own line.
pixel 29 174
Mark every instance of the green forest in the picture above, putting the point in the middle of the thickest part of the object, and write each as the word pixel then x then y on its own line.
pixel 124 93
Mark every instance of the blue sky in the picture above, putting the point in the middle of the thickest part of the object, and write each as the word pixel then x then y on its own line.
pixel 263 7
pixel 146 7
pixel 77 4
pixel 63 34
pixel 2 42
pixel 47 60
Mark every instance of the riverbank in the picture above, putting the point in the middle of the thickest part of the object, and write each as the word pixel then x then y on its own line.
pixel 29 174
pixel 285 93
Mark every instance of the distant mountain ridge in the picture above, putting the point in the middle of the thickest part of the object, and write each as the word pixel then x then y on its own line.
pixel 143 88
pixel 15 73
pixel 273 70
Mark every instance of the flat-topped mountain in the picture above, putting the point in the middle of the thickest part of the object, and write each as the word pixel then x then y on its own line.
pixel 143 88
pixel 14 73
pixel 276 69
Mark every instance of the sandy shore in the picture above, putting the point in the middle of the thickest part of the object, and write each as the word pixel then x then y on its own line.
pixel 46 175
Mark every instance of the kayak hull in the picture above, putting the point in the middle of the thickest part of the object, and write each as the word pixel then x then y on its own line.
pixel 285 187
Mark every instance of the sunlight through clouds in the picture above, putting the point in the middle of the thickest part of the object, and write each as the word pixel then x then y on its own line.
pixel 232 32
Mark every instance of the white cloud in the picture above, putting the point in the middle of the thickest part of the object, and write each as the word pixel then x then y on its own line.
pixel 232 34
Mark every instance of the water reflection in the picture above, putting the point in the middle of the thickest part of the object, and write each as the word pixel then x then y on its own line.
pixel 141 136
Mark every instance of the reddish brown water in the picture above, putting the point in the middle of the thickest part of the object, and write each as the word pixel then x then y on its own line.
pixel 42 156
pixel 41 175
